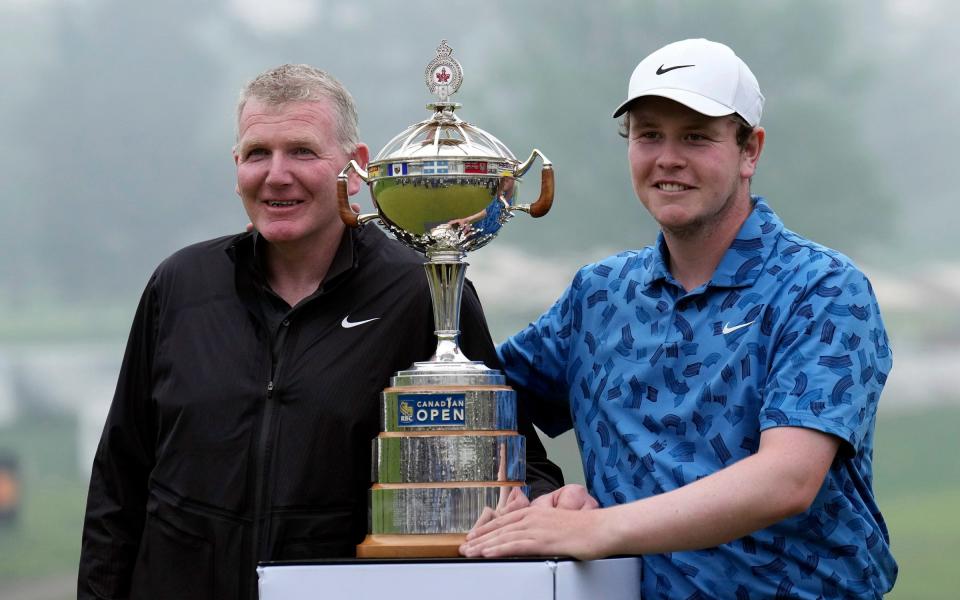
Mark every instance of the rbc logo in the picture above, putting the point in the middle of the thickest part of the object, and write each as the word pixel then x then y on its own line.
pixel 406 413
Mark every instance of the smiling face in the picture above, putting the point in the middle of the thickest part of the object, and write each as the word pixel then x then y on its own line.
pixel 288 157
pixel 687 168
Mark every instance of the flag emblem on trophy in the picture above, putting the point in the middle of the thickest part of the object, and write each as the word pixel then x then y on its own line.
pixel 475 166
pixel 436 167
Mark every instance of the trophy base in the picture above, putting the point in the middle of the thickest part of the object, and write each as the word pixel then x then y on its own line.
pixel 448 448
pixel 435 545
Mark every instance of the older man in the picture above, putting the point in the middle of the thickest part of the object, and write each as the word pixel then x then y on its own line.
pixel 723 383
pixel 240 430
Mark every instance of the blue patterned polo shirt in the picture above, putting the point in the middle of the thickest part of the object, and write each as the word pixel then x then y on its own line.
pixel 665 386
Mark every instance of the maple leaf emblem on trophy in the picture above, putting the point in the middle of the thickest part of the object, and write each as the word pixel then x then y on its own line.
pixel 443 76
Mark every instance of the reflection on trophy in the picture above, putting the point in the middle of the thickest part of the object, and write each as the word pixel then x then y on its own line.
pixel 449 444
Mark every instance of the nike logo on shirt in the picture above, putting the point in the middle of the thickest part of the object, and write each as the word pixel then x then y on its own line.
pixel 727 329
pixel 347 324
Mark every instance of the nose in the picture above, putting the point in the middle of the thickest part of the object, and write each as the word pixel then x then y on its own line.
pixel 279 172
pixel 671 155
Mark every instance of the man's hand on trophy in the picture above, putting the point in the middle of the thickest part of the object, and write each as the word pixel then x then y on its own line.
pixel 495 534
pixel 543 531
pixel 515 500
pixel 572 496
pixel 353 206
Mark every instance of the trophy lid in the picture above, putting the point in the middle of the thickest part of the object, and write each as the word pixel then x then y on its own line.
pixel 444 134
pixel 443 75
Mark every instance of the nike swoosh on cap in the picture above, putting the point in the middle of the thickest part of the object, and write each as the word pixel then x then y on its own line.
pixel 727 329
pixel 661 70
pixel 347 324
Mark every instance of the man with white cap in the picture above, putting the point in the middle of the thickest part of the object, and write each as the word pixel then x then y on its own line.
pixel 723 383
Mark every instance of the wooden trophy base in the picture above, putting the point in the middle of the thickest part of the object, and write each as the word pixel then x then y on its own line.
pixel 438 545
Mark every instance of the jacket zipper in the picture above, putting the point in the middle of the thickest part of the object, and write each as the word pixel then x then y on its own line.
pixel 261 530
pixel 261 510
pixel 260 492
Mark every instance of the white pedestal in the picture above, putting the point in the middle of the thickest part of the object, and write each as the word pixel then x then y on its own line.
pixel 459 579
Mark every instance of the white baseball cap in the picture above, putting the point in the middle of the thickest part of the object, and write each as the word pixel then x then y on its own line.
pixel 703 75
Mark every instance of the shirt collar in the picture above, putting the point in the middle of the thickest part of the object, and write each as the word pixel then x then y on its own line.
pixel 659 268
pixel 743 261
pixel 344 260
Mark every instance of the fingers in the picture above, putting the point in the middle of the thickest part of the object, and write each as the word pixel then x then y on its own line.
pixel 526 532
pixel 510 503
pixel 504 536
pixel 554 523
pixel 589 503
pixel 575 497
pixel 515 501
pixel 485 517
pixel 570 497
pixel 546 500
pixel 540 531
pixel 495 523
pixel 514 544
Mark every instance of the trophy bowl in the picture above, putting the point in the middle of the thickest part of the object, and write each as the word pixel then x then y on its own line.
pixel 444 182
pixel 448 443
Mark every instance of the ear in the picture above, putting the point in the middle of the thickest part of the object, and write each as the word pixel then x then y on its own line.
pixel 750 155
pixel 361 154
pixel 236 161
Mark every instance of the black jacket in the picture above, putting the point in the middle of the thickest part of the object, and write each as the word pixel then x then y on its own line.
pixel 227 445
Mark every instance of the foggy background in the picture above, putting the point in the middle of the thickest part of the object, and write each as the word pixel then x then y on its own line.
pixel 117 119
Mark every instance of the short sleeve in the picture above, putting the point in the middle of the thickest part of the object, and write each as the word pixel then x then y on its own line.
pixel 830 361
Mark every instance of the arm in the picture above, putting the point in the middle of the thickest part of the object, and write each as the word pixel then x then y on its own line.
pixel 542 475
pixel 117 498
pixel 779 481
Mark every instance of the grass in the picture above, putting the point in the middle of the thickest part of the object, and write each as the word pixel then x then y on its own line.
pixel 917 479
pixel 45 537
pixel 925 536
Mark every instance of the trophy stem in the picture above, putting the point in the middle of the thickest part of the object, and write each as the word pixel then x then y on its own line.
pixel 445 274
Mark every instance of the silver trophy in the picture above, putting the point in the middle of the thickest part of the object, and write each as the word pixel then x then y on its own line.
pixel 448 445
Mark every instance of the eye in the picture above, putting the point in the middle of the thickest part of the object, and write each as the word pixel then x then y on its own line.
pixel 304 152
pixel 647 135
pixel 254 153
pixel 696 137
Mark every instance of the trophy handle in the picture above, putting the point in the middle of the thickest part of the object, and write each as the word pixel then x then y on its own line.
pixel 350 218
pixel 545 201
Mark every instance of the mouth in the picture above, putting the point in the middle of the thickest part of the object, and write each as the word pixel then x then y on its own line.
pixel 282 203
pixel 672 186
